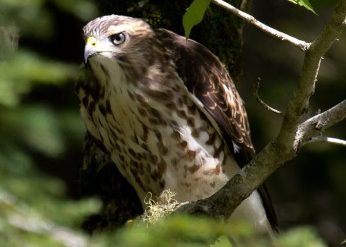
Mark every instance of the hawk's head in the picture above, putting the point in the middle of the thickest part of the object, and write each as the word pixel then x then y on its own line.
pixel 123 39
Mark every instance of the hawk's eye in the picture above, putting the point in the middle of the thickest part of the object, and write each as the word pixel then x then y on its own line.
pixel 117 38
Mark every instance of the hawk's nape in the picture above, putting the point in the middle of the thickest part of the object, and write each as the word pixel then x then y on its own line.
pixel 167 112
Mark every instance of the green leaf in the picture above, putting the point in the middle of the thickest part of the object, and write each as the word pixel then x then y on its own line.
pixel 222 242
pixel 301 236
pixel 304 3
pixel 194 15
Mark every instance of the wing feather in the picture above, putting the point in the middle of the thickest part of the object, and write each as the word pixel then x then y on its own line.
pixel 208 80
pixel 210 83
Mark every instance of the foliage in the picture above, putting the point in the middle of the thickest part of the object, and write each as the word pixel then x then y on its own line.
pixel 304 3
pixel 25 70
pixel 301 237
pixel 9 41
pixel 194 15
pixel 32 204
pixel 49 220
pixel 43 220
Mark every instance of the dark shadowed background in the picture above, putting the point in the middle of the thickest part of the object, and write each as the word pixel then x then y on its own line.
pixel 41 132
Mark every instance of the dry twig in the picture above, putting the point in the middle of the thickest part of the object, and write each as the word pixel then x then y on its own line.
pixel 259 100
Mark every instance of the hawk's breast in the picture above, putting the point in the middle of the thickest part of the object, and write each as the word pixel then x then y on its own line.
pixel 157 136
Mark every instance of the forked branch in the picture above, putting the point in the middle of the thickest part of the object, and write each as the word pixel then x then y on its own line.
pixel 312 127
pixel 292 133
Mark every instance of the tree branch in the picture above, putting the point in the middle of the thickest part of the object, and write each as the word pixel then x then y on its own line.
pixel 284 146
pixel 299 104
pixel 261 26
pixel 327 139
pixel 313 126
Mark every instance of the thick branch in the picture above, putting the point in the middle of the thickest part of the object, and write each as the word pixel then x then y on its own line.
pixel 261 26
pixel 299 104
pixel 283 147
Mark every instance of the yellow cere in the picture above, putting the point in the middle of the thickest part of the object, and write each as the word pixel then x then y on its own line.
pixel 91 40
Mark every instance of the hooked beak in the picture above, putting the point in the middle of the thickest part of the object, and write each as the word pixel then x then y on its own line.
pixel 91 48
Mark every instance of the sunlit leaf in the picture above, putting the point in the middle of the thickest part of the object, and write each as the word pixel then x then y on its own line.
pixel 222 242
pixel 304 3
pixel 302 236
pixel 194 15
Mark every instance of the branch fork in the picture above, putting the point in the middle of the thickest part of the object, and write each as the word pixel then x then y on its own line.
pixel 293 132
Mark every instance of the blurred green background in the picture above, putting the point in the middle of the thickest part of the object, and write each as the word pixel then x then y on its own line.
pixel 41 133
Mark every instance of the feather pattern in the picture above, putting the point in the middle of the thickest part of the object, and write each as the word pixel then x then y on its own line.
pixel 164 107
pixel 209 81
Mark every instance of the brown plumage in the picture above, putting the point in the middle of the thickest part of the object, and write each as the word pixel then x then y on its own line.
pixel 166 110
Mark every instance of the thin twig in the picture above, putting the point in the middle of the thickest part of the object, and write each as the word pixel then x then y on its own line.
pixel 263 27
pixel 259 100
pixel 331 140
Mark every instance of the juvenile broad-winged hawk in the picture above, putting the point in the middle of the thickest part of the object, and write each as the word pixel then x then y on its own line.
pixel 166 110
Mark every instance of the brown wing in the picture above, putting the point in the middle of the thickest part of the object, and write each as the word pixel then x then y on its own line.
pixel 208 79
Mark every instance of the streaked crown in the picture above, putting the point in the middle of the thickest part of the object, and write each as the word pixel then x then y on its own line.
pixel 108 25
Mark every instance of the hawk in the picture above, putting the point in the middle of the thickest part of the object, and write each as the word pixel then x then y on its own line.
pixel 167 112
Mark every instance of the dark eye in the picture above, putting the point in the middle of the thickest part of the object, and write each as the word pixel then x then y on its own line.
pixel 117 38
